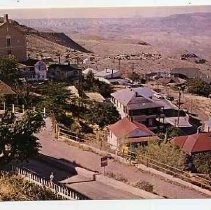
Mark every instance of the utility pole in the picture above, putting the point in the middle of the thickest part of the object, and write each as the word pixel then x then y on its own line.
pixel 119 63
pixel 179 102
pixel 133 67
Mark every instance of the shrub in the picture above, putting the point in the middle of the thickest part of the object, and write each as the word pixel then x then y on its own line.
pixel 199 87
pixel 15 188
pixel 144 186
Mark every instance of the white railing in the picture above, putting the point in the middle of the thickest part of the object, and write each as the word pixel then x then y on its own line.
pixel 60 191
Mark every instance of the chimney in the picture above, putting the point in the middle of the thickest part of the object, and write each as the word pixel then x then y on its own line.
pixel 112 73
pixel 6 19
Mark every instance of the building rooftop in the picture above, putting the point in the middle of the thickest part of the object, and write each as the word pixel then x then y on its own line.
pixel 6 89
pixel 136 98
pixel 194 143
pixel 65 67
pixel 130 131
pixel 106 72
pixel 155 97
pixel 183 122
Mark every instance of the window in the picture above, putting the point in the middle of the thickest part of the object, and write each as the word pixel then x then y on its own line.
pixel 150 122
pixel 8 42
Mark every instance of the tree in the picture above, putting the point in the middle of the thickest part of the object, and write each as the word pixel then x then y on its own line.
pixel 199 87
pixel 202 162
pixel 8 70
pixel 89 83
pixel 17 140
pixel 134 77
pixel 103 114
pixel 164 152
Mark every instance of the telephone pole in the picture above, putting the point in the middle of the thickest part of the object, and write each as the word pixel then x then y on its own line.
pixel 179 102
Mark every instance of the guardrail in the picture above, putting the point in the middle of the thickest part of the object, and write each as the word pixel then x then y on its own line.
pixel 189 177
pixel 61 191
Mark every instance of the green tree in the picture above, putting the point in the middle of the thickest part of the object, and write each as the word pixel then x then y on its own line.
pixel 17 140
pixel 102 114
pixel 199 87
pixel 163 152
pixel 89 83
pixel 202 162
pixel 8 70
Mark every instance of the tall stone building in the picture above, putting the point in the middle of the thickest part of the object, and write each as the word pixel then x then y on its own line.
pixel 12 40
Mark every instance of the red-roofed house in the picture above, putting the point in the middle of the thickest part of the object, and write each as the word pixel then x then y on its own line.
pixel 126 132
pixel 199 142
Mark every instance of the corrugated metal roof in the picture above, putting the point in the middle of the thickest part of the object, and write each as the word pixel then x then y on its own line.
pixel 124 128
pixel 106 72
pixel 183 122
pixel 194 143
pixel 128 96
pixel 132 97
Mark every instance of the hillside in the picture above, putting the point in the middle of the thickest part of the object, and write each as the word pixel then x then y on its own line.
pixel 181 32
pixel 55 37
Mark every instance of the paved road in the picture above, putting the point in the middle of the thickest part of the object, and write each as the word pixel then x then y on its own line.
pixel 85 185
pixel 61 150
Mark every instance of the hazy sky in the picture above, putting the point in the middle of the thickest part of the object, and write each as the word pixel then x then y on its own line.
pixel 14 4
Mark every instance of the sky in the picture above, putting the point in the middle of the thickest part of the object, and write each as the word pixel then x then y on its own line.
pixel 16 4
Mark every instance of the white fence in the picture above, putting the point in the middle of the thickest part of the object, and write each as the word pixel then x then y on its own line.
pixel 61 191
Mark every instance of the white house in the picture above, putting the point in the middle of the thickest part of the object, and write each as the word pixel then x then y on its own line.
pixel 34 70
pixel 126 132
pixel 40 69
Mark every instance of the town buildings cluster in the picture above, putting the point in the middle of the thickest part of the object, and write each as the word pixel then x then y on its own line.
pixel 143 110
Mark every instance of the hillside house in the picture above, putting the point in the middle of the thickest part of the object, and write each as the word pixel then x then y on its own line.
pixel 12 40
pixel 62 72
pixel 130 134
pixel 34 70
pixel 138 108
pixel 170 111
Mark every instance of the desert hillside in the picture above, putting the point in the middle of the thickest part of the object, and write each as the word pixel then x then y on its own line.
pixel 151 44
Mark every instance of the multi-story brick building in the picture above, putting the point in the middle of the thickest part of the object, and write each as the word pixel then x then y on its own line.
pixel 12 39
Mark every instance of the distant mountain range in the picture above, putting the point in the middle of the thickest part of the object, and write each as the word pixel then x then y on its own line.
pixel 190 31
pixel 197 23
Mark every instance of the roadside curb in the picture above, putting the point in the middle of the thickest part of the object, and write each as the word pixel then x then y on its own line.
pixel 173 179
pixel 126 187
